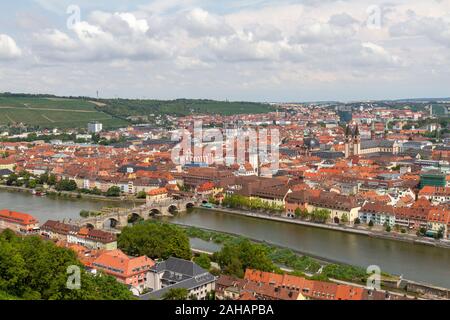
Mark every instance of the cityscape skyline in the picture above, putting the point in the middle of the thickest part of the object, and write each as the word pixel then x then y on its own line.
pixel 224 150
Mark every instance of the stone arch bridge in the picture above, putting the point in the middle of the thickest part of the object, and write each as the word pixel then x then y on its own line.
pixel 119 217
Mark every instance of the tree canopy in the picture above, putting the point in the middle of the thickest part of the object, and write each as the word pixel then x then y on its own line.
pixel 155 240
pixel 203 261
pixel 176 294
pixel 235 257
pixel 35 269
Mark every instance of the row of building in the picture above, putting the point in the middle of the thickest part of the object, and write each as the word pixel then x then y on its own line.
pixel 259 285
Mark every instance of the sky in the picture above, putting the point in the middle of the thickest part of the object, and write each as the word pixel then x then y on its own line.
pixel 255 50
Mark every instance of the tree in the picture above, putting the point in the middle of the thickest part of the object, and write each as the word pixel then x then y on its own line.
pixel 43 178
pixel 357 221
pixel 388 228
pixel 141 195
pixel 114 191
pixel 52 180
pixel 298 213
pixel 211 295
pixel 32 268
pixel 155 240
pixel 440 233
pixel 96 191
pixel 422 231
pixel 31 184
pixel 321 215
pixel 371 223
pixel 66 185
pixel 12 179
pixel 84 213
pixel 203 261
pixel 344 218
pixel 176 294
pixel 235 257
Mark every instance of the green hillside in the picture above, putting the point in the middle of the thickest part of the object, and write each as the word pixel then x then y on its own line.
pixel 126 108
pixel 50 111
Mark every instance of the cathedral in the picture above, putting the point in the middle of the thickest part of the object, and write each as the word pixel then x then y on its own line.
pixel 355 147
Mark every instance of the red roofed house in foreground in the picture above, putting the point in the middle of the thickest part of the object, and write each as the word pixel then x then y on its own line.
pixel 130 271
pixel 22 223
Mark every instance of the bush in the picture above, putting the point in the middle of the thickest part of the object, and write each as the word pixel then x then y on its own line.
pixel 113 192
pixel 84 213
pixel 203 261
pixel 141 195
pixel 345 272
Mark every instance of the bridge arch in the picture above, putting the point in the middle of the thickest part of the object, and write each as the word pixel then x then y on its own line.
pixel 89 225
pixel 111 223
pixel 190 205
pixel 172 209
pixel 154 212
pixel 135 217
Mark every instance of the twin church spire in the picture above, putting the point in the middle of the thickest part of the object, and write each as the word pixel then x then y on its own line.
pixel 352 141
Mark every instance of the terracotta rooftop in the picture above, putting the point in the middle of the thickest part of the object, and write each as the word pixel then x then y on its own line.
pixel 17 217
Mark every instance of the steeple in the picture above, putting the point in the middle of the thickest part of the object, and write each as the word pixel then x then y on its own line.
pixel 347 131
pixel 356 133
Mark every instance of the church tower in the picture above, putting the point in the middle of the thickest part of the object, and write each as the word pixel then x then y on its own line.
pixel 348 142
pixel 373 134
pixel 352 142
pixel 356 142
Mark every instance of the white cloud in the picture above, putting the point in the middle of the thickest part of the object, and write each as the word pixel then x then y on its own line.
pixel 199 23
pixel 8 48
pixel 434 28
pixel 376 54
pixel 91 42
pixel 281 43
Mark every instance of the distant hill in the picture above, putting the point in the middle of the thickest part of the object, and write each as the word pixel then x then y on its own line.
pixel 181 107
pixel 48 111
pixel 424 100
pixel 51 112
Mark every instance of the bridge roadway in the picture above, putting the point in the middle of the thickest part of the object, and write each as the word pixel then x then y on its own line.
pixel 118 217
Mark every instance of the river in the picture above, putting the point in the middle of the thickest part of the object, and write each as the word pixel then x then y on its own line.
pixel 52 208
pixel 415 262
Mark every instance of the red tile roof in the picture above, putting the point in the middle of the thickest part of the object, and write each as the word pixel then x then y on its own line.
pixel 117 263
pixel 17 217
